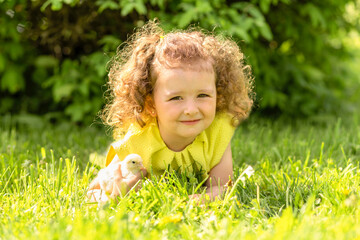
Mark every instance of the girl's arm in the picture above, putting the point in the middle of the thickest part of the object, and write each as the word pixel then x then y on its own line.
pixel 219 176
pixel 94 188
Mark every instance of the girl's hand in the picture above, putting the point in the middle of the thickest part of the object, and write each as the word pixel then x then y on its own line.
pixel 122 185
pixel 116 184
pixel 212 193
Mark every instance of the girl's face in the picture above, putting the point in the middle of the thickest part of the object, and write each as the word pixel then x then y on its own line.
pixel 185 105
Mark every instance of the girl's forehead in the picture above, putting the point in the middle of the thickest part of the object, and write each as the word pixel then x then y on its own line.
pixel 179 79
pixel 199 65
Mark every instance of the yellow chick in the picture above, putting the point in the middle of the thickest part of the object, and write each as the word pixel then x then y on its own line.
pixel 130 166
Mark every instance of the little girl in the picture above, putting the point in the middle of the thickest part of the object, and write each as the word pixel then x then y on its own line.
pixel 176 99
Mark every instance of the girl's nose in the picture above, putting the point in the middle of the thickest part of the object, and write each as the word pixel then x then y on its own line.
pixel 190 108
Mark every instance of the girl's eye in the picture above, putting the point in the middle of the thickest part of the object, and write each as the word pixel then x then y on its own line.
pixel 203 95
pixel 175 98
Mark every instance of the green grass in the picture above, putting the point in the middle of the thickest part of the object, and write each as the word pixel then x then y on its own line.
pixel 306 185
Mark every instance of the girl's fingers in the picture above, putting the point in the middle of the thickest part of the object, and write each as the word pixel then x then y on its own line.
pixel 143 173
pixel 117 173
pixel 118 178
pixel 133 180
pixel 123 185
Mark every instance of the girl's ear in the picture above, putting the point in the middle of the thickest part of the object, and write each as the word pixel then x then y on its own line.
pixel 150 106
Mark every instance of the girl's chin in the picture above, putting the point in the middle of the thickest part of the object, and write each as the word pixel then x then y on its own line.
pixel 190 135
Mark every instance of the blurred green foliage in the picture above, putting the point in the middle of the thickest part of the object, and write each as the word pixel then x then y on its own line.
pixel 54 52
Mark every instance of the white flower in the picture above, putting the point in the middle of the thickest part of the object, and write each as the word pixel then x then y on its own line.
pixel 249 171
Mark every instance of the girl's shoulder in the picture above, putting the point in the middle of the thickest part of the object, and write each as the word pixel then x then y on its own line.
pixel 138 140
pixel 218 134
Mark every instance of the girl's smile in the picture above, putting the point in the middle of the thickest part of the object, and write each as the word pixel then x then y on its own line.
pixel 191 122
pixel 185 104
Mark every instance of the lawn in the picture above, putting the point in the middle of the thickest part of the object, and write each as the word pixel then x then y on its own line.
pixel 306 185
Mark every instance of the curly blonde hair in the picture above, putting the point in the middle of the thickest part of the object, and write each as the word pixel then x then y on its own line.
pixel 134 69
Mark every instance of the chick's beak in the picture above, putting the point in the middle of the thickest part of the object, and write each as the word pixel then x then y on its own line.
pixel 141 166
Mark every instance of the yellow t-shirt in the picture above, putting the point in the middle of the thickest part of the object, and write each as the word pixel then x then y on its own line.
pixel 201 155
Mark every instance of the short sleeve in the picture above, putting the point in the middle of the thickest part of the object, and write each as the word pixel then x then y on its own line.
pixel 119 148
pixel 116 149
pixel 110 156
pixel 219 136
pixel 145 142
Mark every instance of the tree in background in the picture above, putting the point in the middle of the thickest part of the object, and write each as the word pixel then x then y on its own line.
pixel 54 52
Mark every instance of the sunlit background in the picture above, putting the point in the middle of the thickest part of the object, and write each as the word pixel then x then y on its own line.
pixel 305 55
